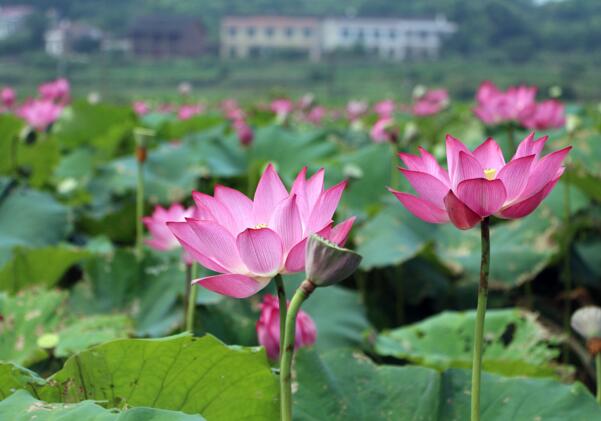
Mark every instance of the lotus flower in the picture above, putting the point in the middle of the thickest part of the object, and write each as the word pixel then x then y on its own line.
pixel 282 108
pixel 316 115
pixel 268 327
pixel 162 238
pixel 250 241
pixel 8 96
pixel 140 108
pixel 430 103
pixel 355 110
pixel 383 131
pixel 56 91
pixel 186 112
pixel 549 114
pixel 40 113
pixel 385 109
pixel 495 106
pixel 243 131
pixel 480 183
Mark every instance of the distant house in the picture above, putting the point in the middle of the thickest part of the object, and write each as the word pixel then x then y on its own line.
pixel 167 36
pixel 389 38
pixel 12 19
pixel 69 37
pixel 255 36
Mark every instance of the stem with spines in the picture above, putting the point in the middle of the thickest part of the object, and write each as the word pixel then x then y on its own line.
pixel 283 308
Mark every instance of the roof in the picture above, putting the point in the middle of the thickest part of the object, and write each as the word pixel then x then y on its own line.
pixel 270 20
pixel 164 23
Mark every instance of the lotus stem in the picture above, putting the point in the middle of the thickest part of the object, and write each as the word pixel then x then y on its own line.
pixel 511 137
pixel 302 293
pixel 567 270
pixel 141 157
pixel 191 295
pixel 283 309
pixel 598 367
pixel 480 316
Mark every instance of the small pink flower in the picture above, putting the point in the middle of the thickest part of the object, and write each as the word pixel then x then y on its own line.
pixel 140 108
pixel 57 91
pixel 268 328
pixel 432 102
pixel 8 96
pixel 250 241
pixel 385 109
pixel 496 107
pixel 243 131
pixel 186 112
pixel 40 113
pixel 549 114
pixel 479 183
pixel 161 237
pixel 316 115
pixel 383 131
pixel 355 110
pixel 282 108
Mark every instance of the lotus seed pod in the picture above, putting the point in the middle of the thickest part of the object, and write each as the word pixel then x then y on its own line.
pixel 327 263
pixel 587 322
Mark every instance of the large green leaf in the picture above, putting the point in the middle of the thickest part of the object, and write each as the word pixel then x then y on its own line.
pixel 516 344
pixel 346 385
pixel 21 406
pixel 393 236
pixel 33 314
pixel 30 218
pixel 192 375
pixel 38 267
pixel 9 131
pixel 519 249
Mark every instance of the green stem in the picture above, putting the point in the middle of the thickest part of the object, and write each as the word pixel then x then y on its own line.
pixel 511 137
pixel 283 304
pixel 302 293
pixel 480 315
pixel 192 294
pixel 140 210
pixel 598 367
pixel 567 270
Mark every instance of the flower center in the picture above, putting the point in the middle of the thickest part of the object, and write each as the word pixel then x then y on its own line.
pixel 259 226
pixel 490 173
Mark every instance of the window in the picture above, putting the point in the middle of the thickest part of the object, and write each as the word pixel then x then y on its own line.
pixel 376 33
pixel 307 32
pixel 250 31
pixel 345 33
pixel 360 34
pixel 269 31
pixel 232 31
pixel 289 32
pixel 392 34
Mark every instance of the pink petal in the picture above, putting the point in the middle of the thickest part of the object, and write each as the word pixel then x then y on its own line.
pixel 490 155
pixel 286 222
pixel 529 146
pixel 314 187
pixel 483 196
pixel 427 186
pixel 527 206
pixel 239 206
pixel 324 208
pixel 431 166
pixel 237 286
pixel 211 209
pixel 189 241
pixel 217 243
pixel 270 192
pixel 341 231
pixel 515 175
pixel 544 171
pixel 468 167
pixel 454 146
pixel 295 261
pixel 261 250
pixel 421 208
pixel 460 215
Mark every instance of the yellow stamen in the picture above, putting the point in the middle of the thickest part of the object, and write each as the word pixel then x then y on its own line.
pixel 259 226
pixel 490 173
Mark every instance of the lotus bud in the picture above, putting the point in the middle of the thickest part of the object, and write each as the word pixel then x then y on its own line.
pixel 587 322
pixel 48 341
pixel 573 122
pixel 419 91
pixel 326 263
pixel 555 91
pixel 142 137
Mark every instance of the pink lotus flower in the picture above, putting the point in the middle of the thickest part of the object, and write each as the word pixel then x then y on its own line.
pixel 268 328
pixel 355 110
pixel 162 238
pixel 56 91
pixel 316 115
pixel 140 108
pixel 186 112
pixel 480 183
pixel 39 113
pixel 383 131
pixel 244 132
pixel 496 107
pixel 549 114
pixel 8 96
pixel 430 103
pixel 281 107
pixel 250 241
pixel 385 109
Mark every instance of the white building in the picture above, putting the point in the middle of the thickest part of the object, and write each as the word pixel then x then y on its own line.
pixel 393 39
pixel 12 19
